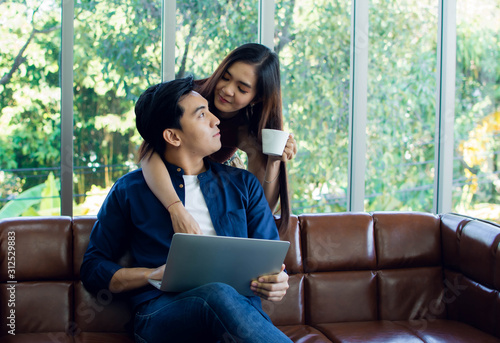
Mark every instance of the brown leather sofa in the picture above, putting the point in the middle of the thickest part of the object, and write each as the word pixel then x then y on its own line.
pixel 354 277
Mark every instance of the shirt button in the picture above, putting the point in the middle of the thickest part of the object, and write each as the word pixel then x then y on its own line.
pixel 181 185
pixel 178 169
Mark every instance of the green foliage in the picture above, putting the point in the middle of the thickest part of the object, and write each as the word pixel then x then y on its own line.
pixel 401 105
pixel 117 54
pixel 23 202
pixel 315 72
pixel 29 101
pixel 477 112
pixel 209 30
pixel 39 200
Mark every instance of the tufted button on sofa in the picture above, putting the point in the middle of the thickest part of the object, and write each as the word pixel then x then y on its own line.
pixel 354 277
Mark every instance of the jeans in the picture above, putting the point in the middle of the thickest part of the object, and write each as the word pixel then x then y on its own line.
pixel 214 312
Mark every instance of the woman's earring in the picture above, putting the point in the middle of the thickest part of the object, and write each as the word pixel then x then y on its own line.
pixel 249 111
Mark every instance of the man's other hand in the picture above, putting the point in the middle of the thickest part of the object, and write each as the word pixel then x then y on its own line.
pixel 271 287
pixel 157 274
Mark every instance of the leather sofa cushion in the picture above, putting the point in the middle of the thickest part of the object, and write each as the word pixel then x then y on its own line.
pixel 104 312
pixel 82 226
pixel 293 260
pixel 471 303
pixel 344 242
pixel 406 240
pixel 40 337
pixel 410 293
pixel 46 245
pixel 303 333
pixel 479 243
pixel 438 330
pixel 341 296
pixel 99 337
pixel 451 232
pixel 365 332
pixel 290 310
pixel 41 306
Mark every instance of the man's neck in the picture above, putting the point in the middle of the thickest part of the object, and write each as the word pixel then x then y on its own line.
pixel 190 164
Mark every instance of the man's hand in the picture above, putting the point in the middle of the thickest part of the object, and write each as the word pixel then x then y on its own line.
pixel 157 274
pixel 271 287
pixel 183 221
pixel 127 279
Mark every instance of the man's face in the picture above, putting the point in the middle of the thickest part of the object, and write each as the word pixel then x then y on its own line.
pixel 200 132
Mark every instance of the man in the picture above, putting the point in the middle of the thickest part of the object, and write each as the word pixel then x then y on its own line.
pixel 175 122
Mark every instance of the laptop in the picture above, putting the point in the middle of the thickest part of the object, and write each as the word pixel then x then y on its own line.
pixel 195 260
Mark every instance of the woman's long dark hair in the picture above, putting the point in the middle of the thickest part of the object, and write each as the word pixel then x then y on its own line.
pixel 266 111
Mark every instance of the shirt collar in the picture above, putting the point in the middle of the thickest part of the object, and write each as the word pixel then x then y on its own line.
pixel 174 170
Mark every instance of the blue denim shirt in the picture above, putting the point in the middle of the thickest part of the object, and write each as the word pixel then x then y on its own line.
pixel 133 219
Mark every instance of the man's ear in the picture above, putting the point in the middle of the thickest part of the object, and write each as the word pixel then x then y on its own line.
pixel 171 137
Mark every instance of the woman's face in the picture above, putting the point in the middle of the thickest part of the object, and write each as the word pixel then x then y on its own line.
pixel 236 89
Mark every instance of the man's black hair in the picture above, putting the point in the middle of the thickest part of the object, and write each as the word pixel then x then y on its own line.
pixel 158 109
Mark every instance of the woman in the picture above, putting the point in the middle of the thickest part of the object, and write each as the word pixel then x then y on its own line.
pixel 244 92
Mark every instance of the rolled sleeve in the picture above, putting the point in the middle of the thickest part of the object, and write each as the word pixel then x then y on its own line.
pixel 96 273
pixel 106 244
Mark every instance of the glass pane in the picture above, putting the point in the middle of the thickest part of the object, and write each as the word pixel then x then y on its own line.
pixel 313 42
pixel 117 56
pixel 476 172
pixel 401 105
pixel 208 30
pixel 29 108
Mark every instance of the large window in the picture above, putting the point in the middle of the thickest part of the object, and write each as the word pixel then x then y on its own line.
pixel 208 30
pixel 401 105
pixel 476 175
pixel 313 43
pixel 29 108
pixel 118 52
pixel 117 55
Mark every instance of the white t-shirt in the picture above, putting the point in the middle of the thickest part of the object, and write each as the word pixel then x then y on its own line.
pixel 196 205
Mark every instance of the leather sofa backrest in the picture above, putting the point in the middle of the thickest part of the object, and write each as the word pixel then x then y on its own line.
pixel 42 295
pixel 105 311
pixel 471 259
pixel 361 267
pixel 291 311
pixel 343 267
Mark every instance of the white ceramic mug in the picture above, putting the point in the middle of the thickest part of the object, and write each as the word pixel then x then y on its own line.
pixel 274 141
